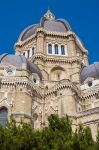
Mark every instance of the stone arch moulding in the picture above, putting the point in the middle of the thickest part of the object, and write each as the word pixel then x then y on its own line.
pixel 4 104
pixel 3 116
pixel 57 73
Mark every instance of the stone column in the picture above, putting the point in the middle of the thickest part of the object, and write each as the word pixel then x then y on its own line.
pixel 40 42
pixel 85 58
pixel 75 73
pixel 71 46
pixel 66 103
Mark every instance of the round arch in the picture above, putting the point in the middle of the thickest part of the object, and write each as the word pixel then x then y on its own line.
pixel 57 73
pixel 3 116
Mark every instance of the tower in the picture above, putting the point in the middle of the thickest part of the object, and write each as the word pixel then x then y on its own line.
pixel 59 54
pixel 49 74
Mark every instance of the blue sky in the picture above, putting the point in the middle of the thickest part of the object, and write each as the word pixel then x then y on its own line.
pixel 83 16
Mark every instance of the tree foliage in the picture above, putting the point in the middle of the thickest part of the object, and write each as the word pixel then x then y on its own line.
pixel 58 135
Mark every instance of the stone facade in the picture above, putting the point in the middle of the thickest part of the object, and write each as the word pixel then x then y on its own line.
pixel 61 57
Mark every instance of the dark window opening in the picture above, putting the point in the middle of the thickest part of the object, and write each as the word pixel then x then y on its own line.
pixel 46 86
pixel 98 126
pixel 58 76
pixel 97 96
pixel 90 83
pixel 33 51
pixel 20 89
pixel 28 53
pixel 50 49
pixel 24 54
pixel 34 80
pixel 55 93
pixel 3 116
pixel 56 49
pixel 79 108
pixel 62 50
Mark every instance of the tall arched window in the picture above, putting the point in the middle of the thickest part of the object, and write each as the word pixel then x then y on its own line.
pixel 32 50
pixel 56 49
pixel 3 116
pixel 49 48
pixel 62 50
pixel 24 54
pixel 28 53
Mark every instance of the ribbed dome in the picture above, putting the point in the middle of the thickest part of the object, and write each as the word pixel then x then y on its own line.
pixel 90 71
pixel 49 23
pixel 20 62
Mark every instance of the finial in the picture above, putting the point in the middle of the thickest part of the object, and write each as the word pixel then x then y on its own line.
pixel 48 7
pixel 49 15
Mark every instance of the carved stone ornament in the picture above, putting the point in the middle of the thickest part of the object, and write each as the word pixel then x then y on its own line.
pixel 35 78
pixel 49 15
pixel 6 100
pixel 9 71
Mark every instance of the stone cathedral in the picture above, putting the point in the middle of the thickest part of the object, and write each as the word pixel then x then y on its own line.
pixel 49 74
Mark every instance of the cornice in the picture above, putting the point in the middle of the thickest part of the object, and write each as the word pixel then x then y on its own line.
pixel 89 94
pixel 79 43
pixel 55 34
pixel 56 59
pixel 88 112
pixel 21 81
pixel 17 81
pixel 65 83
pixel 46 33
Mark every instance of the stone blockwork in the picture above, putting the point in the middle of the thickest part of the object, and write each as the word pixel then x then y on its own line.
pixel 31 94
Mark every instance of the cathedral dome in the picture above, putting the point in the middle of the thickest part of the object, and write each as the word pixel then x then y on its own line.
pixel 49 23
pixel 90 71
pixel 20 63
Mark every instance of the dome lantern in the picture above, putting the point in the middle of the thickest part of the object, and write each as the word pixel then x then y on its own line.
pixel 49 15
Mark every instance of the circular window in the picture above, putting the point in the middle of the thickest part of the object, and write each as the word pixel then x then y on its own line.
pixel 9 71
pixel 34 80
pixel 90 83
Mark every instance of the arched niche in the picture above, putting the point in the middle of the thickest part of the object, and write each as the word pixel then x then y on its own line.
pixel 3 116
pixel 57 73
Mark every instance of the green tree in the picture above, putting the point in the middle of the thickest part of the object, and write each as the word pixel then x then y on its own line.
pixel 58 135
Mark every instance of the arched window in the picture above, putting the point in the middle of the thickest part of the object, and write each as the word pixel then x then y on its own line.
pixel 62 50
pixel 49 48
pixel 32 50
pixel 58 76
pixel 24 54
pixel 28 53
pixel 3 116
pixel 56 49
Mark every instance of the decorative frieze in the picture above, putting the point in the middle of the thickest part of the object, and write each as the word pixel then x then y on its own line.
pixel 53 58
